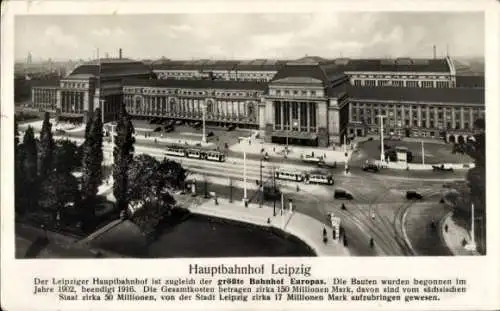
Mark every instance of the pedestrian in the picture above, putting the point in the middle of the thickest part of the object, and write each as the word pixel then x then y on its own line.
pixel 298 189
pixel 324 231
pixel 343 206
pixel 371 243
pixel 274 149
pixel 446 228
pixel 156 141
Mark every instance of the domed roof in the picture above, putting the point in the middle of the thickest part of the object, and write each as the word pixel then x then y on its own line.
pixel 111 67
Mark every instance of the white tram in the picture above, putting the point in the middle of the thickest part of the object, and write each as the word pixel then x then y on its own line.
pixel 319 178
pixel 194 153
pixel 215 156
pixel 175 151
pixel 289 175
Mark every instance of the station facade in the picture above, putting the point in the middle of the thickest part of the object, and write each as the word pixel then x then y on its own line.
pixel 307 102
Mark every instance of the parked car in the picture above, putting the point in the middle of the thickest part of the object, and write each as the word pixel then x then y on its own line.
pixel 323 164
pixel 210 134
pixel 342 194
pixel 153 121
pixel 231 128
pixel 370 167
pixel 169 128
pixel 442 168
pixel 179 122
pixel 158 129
pixel 197 125
pixel 413 195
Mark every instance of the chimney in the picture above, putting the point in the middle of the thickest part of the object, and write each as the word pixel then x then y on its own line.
pixel 434 51
pixel 120 53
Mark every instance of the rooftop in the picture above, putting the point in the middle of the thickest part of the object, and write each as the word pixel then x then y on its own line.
pixel 324 73
pixel 430 95
pixel 111 67
pixel 198 84
pixel 394 65
pixel 44 83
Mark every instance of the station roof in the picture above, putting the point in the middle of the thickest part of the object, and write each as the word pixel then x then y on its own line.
pixel 207 65
pixel 430 95
pixel 198 84
pixel 325 73
pixel 394 65
pixel 111 67
pixel 470 81
pixel 44 82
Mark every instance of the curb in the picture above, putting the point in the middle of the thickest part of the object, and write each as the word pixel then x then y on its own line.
pixel 405 234
pixel 442 232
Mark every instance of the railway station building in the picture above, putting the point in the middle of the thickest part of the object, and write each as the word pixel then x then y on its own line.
pixel 309 101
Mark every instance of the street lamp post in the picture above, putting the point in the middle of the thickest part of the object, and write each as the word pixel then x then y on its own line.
pixel 203 117
pixel 472 245
pixel 382 153
pixel 261 185
pixel 245 174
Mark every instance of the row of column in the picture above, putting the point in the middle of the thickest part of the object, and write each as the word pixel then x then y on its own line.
pixel 72 102
pixel 160 105
pixel 403 83
pixel 423 115
pixel 44 96
pixel 303 113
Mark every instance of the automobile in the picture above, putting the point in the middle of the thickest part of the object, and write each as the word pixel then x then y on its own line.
pixel 413 195
pixel 210 134
pixel 158 129
pixel 310 158
pixel 60 132
pixel 442 168
pixel 179 122
pixel 153 121
pixel 323 164
pixel 370 167
pixel 231 127
pixel 386 147
pixel 342 194
pixel 197 125
pixel 166 122
pixel 169 128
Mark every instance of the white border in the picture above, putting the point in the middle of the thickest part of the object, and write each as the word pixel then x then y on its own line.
pixel 481 272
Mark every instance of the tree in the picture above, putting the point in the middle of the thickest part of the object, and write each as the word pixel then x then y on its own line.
pixel 172 173
pixel 67 156
pixel 123 155
pixel 27 181
pixel 19 178
pixel 149 181
pixel 57 191
pixel 16 133
pixel 143 178
pixel 92 164
pixel 149 216
pixel 46 147
pixel 30 156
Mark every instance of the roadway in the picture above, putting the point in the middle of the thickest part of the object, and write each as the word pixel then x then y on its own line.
pixel 377 211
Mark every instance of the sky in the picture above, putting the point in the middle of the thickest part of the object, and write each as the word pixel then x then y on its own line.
pixel 250 36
